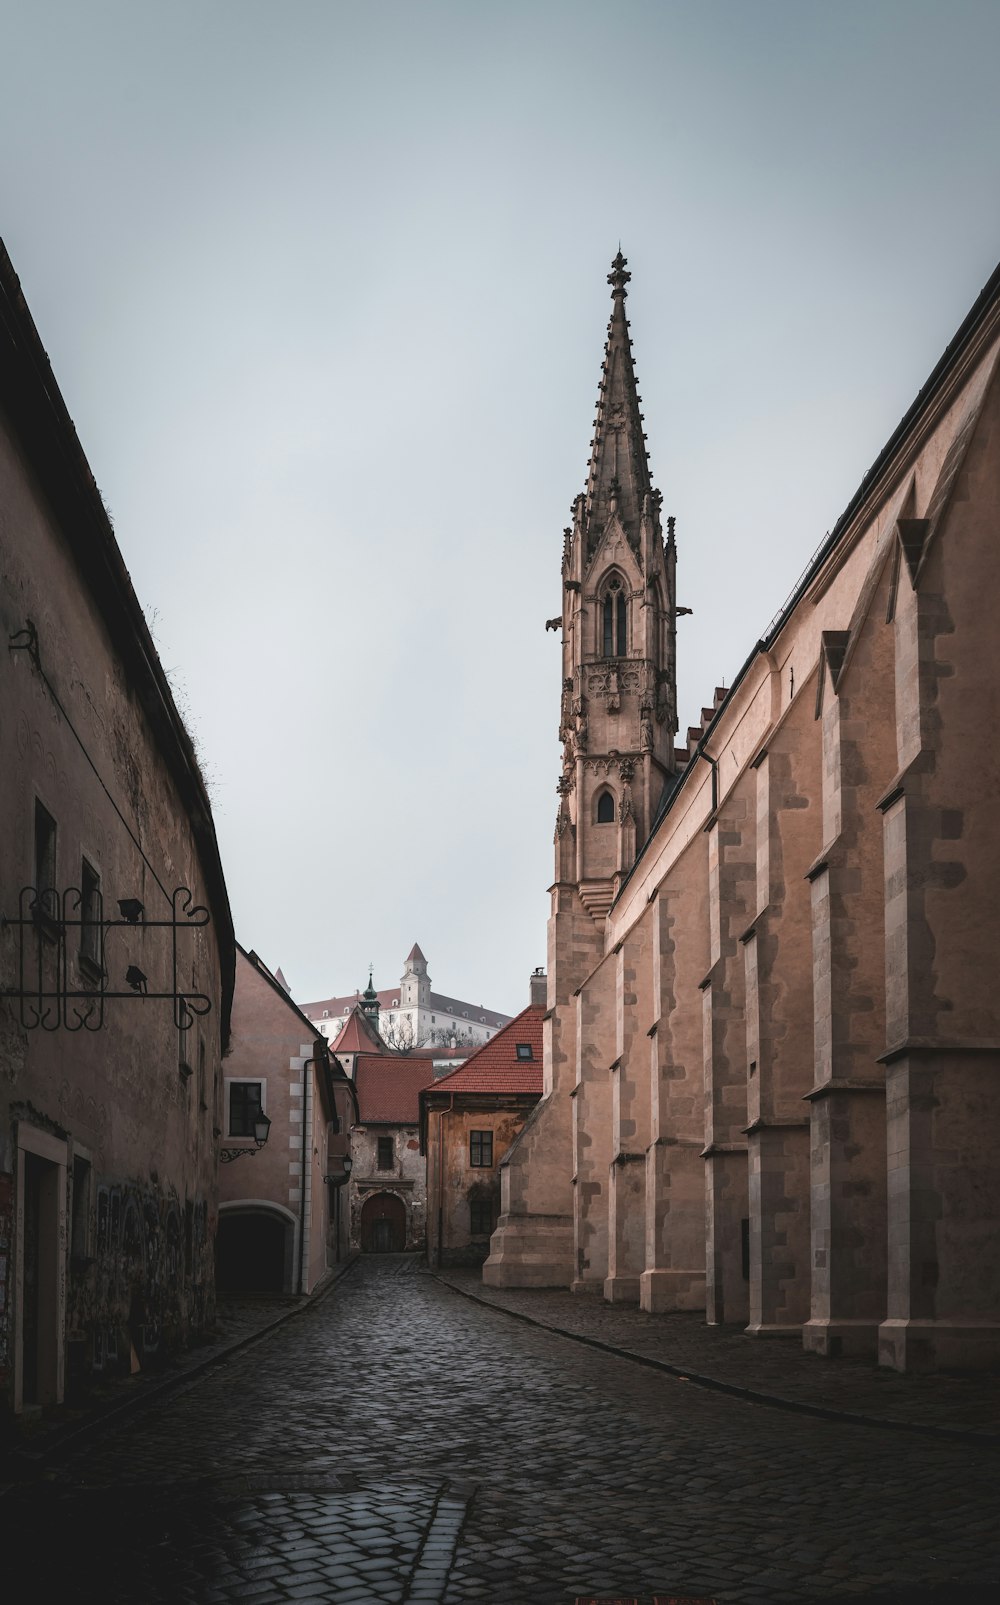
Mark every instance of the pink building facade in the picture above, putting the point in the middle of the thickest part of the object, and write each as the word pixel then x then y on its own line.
pixel 283 1221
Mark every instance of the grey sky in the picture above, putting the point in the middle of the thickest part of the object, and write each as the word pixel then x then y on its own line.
pixel 324 288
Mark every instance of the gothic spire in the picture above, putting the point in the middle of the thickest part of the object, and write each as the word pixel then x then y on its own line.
pixel 618 478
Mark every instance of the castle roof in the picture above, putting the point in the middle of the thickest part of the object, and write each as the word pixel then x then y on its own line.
pixel 389 998
pixel 497 1066
pixel 388 1088
pixel 415 953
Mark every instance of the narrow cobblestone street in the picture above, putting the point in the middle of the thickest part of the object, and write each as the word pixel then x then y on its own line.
pixel 399 1442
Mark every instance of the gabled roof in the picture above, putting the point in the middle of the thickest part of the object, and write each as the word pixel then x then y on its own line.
pixel 388 1087
pixel 273 981
pixel 358 1035
pixel 495 1067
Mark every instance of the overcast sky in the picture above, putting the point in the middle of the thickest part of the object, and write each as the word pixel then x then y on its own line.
pixel 324 287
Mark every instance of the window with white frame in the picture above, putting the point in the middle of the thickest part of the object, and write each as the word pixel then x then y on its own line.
pixel 245 1101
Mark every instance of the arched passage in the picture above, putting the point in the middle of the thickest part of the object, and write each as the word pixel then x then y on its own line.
pixel 383 1224
pixel 254 1251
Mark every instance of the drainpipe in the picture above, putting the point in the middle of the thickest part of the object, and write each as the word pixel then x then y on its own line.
pixel 306 1151
pixel 441 1115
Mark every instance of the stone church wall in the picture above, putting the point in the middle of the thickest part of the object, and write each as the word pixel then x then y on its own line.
pixel 786 1038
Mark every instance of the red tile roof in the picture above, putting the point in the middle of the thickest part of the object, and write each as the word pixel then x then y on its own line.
pixel 495 1067
pixel 357 1036
pixel 389 1087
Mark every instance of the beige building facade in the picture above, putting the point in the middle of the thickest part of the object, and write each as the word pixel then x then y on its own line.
pixel 116 943
pixel 772 1055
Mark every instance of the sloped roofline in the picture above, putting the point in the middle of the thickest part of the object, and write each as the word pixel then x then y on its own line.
pixel 961 344
pixel 32 399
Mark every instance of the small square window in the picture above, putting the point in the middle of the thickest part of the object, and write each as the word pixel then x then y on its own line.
pixel 245 1104
pixel 385 1153
pixel 480 1218
pixel 524 1050
pixel 481 1148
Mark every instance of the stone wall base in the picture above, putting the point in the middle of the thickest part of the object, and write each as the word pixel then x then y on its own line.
pixel 789 1329
pixel 621 1289
pixel 832 1338
pixel 530 1251
pixel 586 1285
pixel 906 1345
pixel 660 1291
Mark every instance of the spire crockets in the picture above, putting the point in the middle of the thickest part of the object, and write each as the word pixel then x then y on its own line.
pixel 618 479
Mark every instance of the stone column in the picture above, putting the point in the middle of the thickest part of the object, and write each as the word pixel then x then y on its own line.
pixel 777 952
pixel 592 1126
pixel 630 1100
pixel 731 848
pixel 847 1133
pixel 674 1278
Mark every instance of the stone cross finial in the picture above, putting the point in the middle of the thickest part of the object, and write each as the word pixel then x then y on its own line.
pixel 618 277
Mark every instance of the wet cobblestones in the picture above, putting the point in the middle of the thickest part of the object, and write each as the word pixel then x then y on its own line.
pixel 398 1442
pixel 778 1368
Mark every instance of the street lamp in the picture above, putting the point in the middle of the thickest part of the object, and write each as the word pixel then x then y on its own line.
pixel 337 1179
pixel 261 1132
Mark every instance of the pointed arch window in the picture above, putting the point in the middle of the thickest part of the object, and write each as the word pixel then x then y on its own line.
pixel 614 620
pixel 605 809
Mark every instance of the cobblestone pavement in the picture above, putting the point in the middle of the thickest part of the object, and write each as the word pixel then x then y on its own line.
pixel 398 1442
pixel 776 1368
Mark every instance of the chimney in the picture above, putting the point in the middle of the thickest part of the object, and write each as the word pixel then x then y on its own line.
pixel 539 993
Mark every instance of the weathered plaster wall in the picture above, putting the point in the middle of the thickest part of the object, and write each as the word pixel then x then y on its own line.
pixel 106 1138
pixel 454 1183
pixel 407 1180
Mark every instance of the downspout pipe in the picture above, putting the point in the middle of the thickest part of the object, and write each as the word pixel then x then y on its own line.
pixel 441 1115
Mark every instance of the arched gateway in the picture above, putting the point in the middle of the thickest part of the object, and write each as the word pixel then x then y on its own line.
pixel 383 1224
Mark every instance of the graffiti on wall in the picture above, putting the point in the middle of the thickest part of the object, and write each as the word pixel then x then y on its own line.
pixel 149 1284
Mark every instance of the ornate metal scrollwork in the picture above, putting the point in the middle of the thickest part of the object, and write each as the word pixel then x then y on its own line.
pixel 49 999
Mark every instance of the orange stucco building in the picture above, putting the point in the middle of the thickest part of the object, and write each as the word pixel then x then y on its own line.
pixel 468 1121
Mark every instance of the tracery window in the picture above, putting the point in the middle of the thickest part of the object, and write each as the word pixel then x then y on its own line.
pixel 614 620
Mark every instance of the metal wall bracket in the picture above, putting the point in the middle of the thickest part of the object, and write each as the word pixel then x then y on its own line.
pixel 47 997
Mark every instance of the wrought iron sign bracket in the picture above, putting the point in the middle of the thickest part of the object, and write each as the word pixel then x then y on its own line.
pixel 47 998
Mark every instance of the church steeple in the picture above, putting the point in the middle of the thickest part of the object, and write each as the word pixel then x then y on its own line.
pixel 619 701
pixel 369 1000
pixel 618 479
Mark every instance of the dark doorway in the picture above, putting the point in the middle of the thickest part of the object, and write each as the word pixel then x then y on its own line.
pixel 250 1252
pixel 40 1317
pixel 383 1224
